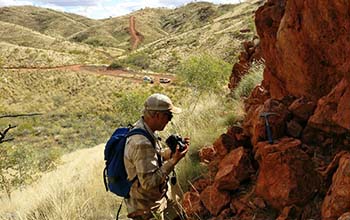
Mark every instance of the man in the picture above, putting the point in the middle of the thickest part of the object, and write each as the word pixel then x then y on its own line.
pixel 149 165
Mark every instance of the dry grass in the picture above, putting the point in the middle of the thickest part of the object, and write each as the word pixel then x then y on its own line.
pixel 73 191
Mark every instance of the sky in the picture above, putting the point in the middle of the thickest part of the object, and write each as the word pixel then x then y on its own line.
pixel 98 9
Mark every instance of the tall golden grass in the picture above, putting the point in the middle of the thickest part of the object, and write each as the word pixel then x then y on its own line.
pixel 74 190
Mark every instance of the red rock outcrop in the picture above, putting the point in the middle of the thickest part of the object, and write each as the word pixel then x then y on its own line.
pixel 337 200
pixel 305 45
pixel 250 54
pixel 304 173
pixel 192 204
pixel 214 200
pixel 332 114
pixel 284 170
pixel 234 168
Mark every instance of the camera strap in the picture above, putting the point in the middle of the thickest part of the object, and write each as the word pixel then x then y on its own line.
pixel 173 179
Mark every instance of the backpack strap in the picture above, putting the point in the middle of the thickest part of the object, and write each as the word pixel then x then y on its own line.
pixel 142 132
pixel 149 137
pixel 105 178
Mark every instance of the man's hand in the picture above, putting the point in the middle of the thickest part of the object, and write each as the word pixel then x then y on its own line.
pixel 178 155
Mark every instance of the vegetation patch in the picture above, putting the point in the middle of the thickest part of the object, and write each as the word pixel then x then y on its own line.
pixel 204 73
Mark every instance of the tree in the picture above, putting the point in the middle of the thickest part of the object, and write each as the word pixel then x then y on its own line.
pixel 204 73
pixel 3 134
pixel 10 158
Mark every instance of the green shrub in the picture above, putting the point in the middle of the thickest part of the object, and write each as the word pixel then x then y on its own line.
pixel 117 64
pixel 94 42
pixel 139 59
pixel 130 106
pixel 204 73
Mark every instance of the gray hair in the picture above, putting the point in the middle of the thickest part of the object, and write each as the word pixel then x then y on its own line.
pixel 149 113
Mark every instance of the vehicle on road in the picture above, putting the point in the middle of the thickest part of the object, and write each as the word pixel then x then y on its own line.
pixel 148 79
pixel 164 80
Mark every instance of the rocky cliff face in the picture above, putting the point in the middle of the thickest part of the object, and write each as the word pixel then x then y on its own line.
pixel 303 170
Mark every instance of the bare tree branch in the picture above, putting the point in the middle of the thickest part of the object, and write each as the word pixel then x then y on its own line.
pixel 20 115
pixel 3 134
pixel 6 140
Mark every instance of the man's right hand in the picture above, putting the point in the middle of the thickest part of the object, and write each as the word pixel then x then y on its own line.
pixel 178 155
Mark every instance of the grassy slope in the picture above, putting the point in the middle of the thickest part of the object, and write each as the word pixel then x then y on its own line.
pixel 33 36
pixel 191 16
pixel 202 28
pixel 114 32
pixel 46 21
pixel 149 25
pixel 22 36
pixel 79 195
pixel 25 47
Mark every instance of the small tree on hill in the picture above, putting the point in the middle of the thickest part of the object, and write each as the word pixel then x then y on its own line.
pixel 204 73
pixel 12 171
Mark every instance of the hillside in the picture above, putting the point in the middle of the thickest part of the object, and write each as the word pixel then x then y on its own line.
pixel 193 15
pixel 168 36
pixel 24 47
pixel 46 21
pixel 211 29
pixel 114 32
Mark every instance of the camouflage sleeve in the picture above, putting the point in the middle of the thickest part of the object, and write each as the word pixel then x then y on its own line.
pixel 145 159
pixel 166 153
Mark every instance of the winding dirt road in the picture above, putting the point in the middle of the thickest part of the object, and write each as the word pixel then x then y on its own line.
pixel 103 70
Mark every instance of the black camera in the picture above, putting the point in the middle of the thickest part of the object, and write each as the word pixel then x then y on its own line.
pixel 173 140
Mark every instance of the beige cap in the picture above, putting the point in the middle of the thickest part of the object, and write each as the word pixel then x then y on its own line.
pixel 160 102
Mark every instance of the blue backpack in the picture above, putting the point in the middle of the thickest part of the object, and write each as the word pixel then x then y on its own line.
pixel 114 174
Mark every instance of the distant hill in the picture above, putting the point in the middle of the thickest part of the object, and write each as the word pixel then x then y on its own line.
pixel 193 15
pixel 114 32
pixel 168 35
pixel 46 21
pixel 24 47
pixel 199 28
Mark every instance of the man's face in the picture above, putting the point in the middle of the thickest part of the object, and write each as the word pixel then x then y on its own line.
pixel 163 118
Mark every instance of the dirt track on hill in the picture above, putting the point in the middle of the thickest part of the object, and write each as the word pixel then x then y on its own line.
pixel 103 70
pixel 135 38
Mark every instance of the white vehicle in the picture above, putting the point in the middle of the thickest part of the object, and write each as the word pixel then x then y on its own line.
pixel 147 79
pixel 164 80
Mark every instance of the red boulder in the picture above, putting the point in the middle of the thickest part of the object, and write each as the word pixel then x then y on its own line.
pixel 287 176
